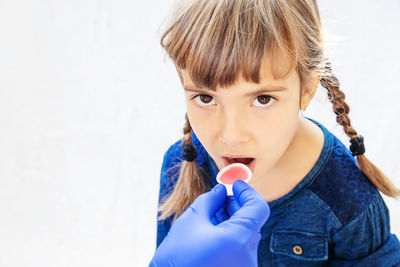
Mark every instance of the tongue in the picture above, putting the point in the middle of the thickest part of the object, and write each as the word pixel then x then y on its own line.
pixel 243 160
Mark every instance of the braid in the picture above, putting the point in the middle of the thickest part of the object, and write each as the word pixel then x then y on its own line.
pixel 190 183
pixel 336 96
pixel 187 132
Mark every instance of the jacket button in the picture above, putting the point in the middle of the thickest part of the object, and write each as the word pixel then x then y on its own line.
pixel 297 250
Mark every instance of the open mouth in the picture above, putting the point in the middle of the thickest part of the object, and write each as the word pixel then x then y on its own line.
pixel 249 162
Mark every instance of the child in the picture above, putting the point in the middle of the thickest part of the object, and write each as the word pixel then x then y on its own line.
pixel 249 68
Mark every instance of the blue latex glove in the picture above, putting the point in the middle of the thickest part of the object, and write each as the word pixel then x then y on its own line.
pixel 195 239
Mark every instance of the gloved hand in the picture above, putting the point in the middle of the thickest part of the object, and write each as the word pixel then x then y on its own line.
pixel 195 240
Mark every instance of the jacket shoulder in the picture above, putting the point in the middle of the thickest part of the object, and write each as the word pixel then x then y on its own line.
pixel 342 185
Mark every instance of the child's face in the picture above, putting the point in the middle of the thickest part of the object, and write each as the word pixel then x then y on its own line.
pixel 234 121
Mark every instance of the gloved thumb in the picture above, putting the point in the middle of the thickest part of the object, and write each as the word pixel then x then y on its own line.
pixel 209 203
pixel 254 210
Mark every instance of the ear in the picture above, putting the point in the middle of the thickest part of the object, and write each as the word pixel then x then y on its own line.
pixel 309 88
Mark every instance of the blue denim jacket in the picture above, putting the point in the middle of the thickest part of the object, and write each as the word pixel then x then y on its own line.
pixel 334 217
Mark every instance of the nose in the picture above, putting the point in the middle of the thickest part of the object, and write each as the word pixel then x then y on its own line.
pixel 233 129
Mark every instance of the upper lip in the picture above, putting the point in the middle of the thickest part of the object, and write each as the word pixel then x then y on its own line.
pixel 236 156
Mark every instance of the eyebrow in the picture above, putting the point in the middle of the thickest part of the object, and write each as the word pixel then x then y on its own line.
pixel 257 91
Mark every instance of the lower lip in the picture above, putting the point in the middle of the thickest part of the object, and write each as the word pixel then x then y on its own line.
pixel 251 166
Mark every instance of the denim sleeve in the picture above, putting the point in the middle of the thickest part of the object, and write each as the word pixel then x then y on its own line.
pixel 163 226
pixel 367 241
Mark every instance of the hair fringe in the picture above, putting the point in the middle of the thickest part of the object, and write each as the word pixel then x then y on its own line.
pixel 216 41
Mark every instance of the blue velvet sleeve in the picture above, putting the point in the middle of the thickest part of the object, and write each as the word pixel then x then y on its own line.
pixel 366 240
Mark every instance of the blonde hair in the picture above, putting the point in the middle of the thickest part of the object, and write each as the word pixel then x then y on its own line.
pixel 214 41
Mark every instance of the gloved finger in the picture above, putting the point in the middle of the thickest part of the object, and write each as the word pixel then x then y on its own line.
pixel 220 216
pixel 214 220
pixel 231 205
pixel 209 203
pixel 254 211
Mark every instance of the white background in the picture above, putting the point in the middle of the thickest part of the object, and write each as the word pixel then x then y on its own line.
pixel 88 106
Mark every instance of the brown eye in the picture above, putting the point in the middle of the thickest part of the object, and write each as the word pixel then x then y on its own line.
pixel 205 99
pixel 264 99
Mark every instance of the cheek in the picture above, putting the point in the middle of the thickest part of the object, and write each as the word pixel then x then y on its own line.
pixel 200 124
pixel 193 116
pixel 271 137
pixel 276 135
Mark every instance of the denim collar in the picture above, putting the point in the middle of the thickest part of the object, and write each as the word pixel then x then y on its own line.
pixel 305 182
